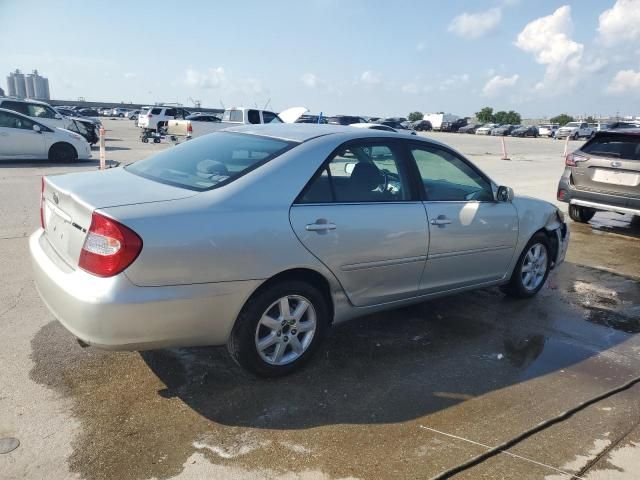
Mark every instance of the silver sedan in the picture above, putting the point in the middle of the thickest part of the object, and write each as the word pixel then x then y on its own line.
pixel 262 237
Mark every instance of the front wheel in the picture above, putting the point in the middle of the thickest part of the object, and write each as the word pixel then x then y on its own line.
pixel 62 152
pixel 532 268
pixel 279 329
pixel 581 214
pixel 576 136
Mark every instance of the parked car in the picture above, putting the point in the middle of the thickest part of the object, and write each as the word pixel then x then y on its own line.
pixel 132 114
pixel 311 119
pixel 343 233
pixel 21 137
pixel 575 130
pixel 437 119
pixel 157 118
pixel 504 130
pixel 204 117
pixel 525 131
pixel 395 124
pixel 232 117
pixel 41 112
pixel 603 175
pixel 597 126
pixel 384 128
pixel 422 126
pixel 486 129
pixel 547 130
pixel 85 127
pixel 345 120
pixel 471 128
pixel 119 112
pixel 619 125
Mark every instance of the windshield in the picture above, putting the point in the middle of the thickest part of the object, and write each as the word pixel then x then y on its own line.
pixel 210 161
pixel 572 124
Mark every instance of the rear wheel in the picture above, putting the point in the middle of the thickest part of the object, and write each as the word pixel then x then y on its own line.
pixel 581 214
pixel 279 328
pixel 62 152
pixel 532 268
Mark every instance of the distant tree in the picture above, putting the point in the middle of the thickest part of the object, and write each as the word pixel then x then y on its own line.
pixel 500 117
pixel 415 116
pixel 562 119
pixel 485 115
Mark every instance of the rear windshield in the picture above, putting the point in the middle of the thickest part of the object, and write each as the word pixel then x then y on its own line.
pixel 210 161
pixel 614 146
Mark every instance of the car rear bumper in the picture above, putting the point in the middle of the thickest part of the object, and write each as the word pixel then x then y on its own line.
pixel 115 314
pixel 597 200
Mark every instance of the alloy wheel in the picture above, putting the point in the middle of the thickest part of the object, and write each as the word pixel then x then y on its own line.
pixel 534 266
pixel 285 330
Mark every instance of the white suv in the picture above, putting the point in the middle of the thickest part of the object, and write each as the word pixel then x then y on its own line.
pixel 157 117
pixel 39 111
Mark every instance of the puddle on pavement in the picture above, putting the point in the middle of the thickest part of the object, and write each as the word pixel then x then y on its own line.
pixel 614 223
pixel 352 412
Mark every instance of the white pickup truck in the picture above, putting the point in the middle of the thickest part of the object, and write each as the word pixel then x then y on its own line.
pixel 575 130
pixel 178 129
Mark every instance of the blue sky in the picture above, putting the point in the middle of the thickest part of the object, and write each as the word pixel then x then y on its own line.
pixel 359 57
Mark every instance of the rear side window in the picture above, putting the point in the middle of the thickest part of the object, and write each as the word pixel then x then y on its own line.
pixel 156 111
pixel 253 116
pixel 615 146
pixel 170 112
pixel 19 107
pixel 210 161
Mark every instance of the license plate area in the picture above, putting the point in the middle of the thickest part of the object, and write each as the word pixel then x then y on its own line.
pixel 57 226
pixel 614 177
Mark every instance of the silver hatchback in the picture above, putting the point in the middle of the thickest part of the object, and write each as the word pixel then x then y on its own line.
pixel 262 237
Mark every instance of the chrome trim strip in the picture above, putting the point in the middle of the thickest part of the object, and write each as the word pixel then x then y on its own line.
pixel 434 256
pixel 382 263
pixel 603 206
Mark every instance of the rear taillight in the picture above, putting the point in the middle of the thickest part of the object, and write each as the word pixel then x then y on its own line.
pixel 561 194
pixel 149 115
pixel 189 128
pixel 109 247
pixel 42 204
pixel 573 159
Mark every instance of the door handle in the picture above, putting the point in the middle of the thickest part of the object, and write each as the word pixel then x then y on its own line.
pixel 441 221
pixel 321 225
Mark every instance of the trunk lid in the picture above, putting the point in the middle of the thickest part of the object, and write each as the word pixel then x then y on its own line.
pixel 69 201
pixel 612 164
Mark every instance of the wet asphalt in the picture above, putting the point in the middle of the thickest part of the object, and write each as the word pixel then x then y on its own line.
pixel 408 393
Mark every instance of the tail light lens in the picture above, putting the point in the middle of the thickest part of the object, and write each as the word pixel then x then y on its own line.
pixel 572 159
pixel 189 128
pixel 109 247
pixel 42 204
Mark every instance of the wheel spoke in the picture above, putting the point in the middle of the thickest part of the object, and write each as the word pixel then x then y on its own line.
pixel 300 310
pixel 278 352
pixel 285 309
pixel 307 326
pixel 296 346
pixel 267 341
pixel 527 279
pixel 269 322
pixel 526 268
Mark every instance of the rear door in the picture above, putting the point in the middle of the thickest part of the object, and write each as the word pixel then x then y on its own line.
pixel 472 236
pixel 609 163
pixel 18 139
pixel 361 219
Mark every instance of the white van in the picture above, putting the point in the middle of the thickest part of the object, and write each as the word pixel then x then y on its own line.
pixel 39 111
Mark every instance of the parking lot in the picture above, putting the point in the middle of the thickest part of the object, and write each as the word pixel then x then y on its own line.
pixel 411 393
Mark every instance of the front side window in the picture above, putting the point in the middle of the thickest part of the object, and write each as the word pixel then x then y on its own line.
pixel 170 112
pixel 446 177
pixel 40 111
pixel 362 173
pixel 210 161
pixel 14 121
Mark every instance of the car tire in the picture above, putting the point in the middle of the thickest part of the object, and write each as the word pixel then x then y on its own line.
pixel 261 321
pixel 575 136
pixel 532 269
pixel 62 153
pixel 581 214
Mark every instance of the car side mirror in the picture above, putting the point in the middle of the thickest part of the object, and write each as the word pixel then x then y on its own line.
pixel 504 194
pixel 36 128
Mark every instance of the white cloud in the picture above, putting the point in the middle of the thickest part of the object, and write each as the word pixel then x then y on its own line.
pixel 548 39
pixel 420 46
pixel 498 84
pixel 369 78
pixel 212 78
pixel 475 25
pixel 130 75
pixel 620 23
pixel 310 80
pixel 625 81
pixel 455 81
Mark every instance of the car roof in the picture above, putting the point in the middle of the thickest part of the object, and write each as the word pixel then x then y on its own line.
pixel 302 132
pixel 22 100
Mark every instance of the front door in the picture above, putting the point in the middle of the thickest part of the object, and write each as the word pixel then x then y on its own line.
pixel 359 217
pixel 472 236
pixel 18 139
